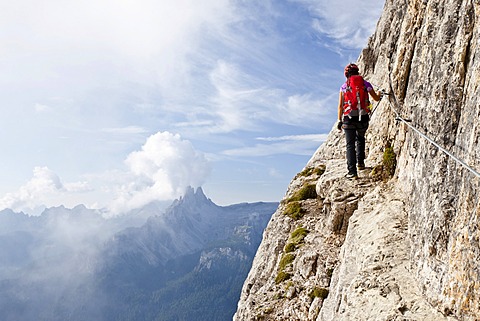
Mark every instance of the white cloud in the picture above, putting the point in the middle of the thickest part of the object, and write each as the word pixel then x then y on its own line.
pixel 164 167
pixel 128 130
pixel 75 47
pixel 40 108
pixel 293 144
pixel 303 110
pixel 161 170
pixel 308 137
pixel 261 150
pixel 243 103
pixel 77 187
pixel 275 173
pixel 237 98
pixel 100 74
pixel 44 189
pixel 349 22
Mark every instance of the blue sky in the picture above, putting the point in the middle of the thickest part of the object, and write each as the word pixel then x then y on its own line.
pixel 114 104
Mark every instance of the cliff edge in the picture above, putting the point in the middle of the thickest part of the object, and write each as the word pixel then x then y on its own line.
pixel 402 241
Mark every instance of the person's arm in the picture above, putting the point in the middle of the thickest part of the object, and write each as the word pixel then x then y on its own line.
pixel 340 111
pixel 374 95
pixel 340 106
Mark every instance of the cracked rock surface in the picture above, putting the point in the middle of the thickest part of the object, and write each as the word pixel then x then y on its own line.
pixel 405 247
pixel 356 249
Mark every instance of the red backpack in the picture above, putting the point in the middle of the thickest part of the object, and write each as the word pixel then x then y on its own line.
pixel 355 97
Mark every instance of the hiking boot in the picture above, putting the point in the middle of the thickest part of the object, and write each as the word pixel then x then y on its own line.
pixel 360 166
pixel 351 176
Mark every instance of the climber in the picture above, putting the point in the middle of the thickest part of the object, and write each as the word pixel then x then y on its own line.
pixel 353 116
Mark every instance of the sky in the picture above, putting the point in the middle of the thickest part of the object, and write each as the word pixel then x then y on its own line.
pixel 114 104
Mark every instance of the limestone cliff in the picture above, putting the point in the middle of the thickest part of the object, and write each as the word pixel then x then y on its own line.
pixel 402 242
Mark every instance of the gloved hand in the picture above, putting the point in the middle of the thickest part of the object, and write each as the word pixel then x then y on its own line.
pixel 339 125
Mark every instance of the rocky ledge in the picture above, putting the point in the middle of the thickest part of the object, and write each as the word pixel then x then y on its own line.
pixel 344 255
pixel 401 242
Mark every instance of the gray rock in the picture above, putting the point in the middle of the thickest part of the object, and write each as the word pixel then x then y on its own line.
pixel 406 248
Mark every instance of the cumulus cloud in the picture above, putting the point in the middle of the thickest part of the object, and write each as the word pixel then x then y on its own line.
pixel 44 189
pixel 162 169
pixel 105 73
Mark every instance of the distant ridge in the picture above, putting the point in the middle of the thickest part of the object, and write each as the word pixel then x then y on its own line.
pixel 184 262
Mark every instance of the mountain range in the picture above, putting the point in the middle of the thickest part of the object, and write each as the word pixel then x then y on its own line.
pixel 185 262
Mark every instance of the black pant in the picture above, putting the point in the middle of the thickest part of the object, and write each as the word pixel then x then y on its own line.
pixel 355 137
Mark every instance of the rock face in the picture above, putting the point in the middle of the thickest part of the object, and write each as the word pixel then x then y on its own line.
pixel 401 247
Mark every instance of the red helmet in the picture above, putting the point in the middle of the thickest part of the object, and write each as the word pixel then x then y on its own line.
pixel 351 69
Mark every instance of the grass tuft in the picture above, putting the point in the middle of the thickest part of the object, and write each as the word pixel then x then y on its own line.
pixel 298 235
pixel 294 210
pixel 307 191
pixel 286 260
pixel 389 160
pixel 318 293
pixel 282 276
pixel 309 171
pixel 290 247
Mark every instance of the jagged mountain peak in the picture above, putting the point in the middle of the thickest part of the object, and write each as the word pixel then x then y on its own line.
pixel 193 221
pixel 194 197
pixel 192 192
pixel 193 203
pixel 184 254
